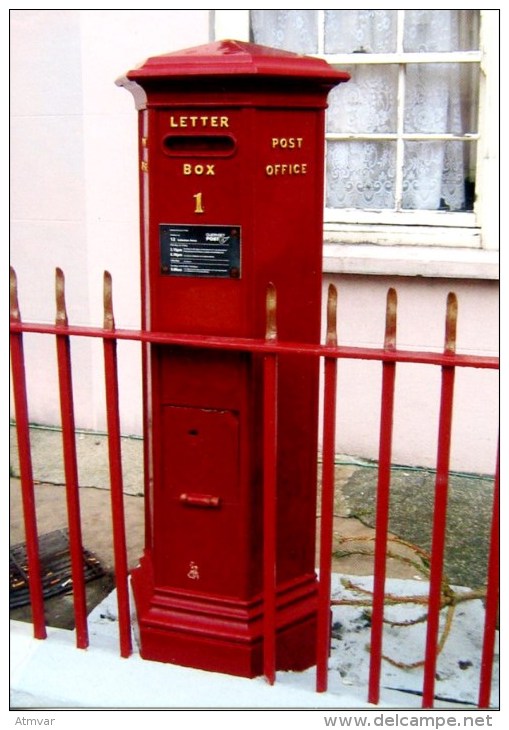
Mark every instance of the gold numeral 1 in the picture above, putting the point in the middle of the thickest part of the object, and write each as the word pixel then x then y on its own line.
pixel 198 208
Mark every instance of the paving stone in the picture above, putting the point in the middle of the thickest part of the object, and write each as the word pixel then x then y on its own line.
pixel 411 509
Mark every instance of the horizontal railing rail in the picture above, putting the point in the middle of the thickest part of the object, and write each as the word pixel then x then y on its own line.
pixel 245 344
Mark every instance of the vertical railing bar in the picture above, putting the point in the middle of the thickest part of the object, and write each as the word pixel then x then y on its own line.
pixel 327 499
pixel 269 492
pixel 116 481
pixel 25 467
pixel 70 466
pixel 382 501
pixel 440 506
pixel 492 597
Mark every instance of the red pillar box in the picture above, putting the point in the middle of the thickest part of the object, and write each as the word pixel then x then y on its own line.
pixel 231 170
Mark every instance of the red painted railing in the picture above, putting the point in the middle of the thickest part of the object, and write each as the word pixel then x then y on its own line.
pixel 270 347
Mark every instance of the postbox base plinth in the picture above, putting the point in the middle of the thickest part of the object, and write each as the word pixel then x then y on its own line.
pixel 206 632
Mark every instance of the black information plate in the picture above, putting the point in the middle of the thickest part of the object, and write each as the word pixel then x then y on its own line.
pixel 200 250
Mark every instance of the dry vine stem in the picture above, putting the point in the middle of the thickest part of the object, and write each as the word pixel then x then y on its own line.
pixel 449 600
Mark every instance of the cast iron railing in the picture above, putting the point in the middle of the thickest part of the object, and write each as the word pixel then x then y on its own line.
pixel 270 348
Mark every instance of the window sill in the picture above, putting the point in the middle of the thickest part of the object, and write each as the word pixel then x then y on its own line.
pixel 426 261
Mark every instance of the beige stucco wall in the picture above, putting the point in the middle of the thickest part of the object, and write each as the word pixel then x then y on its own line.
pixel 74 204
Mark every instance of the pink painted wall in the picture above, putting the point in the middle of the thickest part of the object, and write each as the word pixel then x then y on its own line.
pixel 421 326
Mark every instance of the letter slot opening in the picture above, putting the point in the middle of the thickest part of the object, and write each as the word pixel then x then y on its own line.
pixel 203 145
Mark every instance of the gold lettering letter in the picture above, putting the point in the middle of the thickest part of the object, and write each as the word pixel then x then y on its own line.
pixel 187 169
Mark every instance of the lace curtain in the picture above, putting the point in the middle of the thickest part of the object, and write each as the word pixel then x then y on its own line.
pixel 437 100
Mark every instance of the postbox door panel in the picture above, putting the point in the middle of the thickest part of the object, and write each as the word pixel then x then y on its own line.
pixel 200 490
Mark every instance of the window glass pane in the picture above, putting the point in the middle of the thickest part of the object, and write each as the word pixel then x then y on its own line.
pixel 367 103
pixel 361 174
pixel 439 176
pixel 360 31
pixel 290 30
pixel 441 98
pixel 441 30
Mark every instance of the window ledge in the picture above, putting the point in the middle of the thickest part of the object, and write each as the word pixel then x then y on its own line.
pixel 426 261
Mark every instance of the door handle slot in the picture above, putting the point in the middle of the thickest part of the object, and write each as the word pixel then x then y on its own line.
pixel 208 501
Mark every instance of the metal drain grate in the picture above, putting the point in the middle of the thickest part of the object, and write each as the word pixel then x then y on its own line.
pixel 55 563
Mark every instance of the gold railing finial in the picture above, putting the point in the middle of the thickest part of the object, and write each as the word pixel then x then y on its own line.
pixel 109 320
pixel 451 321
pixel 14 312
pixel 61 316
pixel 391 315
pixel 271 313
pixel 332 309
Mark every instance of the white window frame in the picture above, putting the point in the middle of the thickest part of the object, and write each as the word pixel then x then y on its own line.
pixel 433 243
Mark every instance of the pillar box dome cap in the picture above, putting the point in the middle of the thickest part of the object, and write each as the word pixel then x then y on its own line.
pixel 229 58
